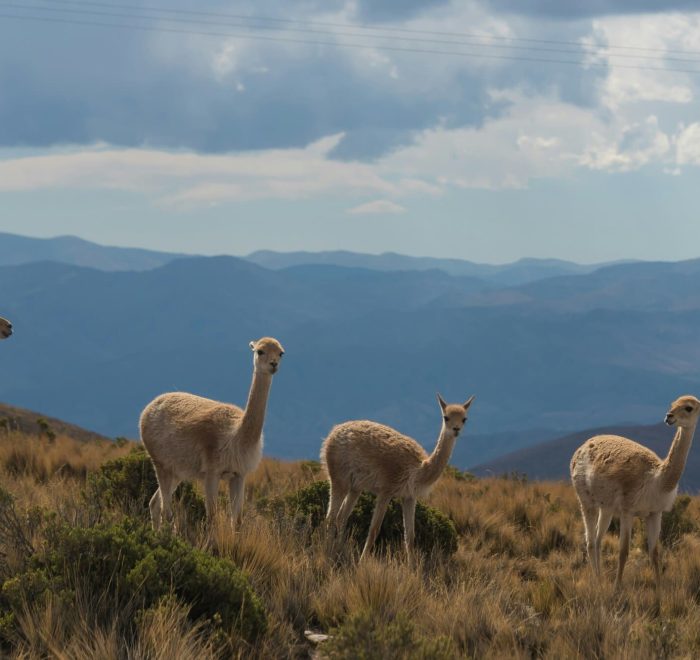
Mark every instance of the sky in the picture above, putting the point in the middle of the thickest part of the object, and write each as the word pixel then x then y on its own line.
pixel 488 130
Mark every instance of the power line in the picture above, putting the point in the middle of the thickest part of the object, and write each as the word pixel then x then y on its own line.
pixel 338 44
pixel 363 26
pixel 581 50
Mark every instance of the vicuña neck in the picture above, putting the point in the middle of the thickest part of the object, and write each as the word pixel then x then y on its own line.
pixel 674 464
pixel 254 414
pixel 433 466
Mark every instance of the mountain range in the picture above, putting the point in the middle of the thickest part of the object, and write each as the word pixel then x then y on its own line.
pixel 545 357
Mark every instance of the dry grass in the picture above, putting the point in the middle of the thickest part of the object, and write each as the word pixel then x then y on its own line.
pixel 518 586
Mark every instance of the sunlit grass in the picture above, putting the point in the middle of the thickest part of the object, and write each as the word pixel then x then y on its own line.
pixel 518 586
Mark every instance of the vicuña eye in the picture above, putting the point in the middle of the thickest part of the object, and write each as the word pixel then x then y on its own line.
pixel 446 418
pixel 464 420
pixel 261 352
pixel 281 353
pixel 689 409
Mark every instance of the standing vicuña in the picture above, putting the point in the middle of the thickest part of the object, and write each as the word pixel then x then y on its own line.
pixel 364 455
pixel 5 328
pixel 614 476
pixel 190 437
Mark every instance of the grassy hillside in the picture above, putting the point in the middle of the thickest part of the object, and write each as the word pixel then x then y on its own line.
pixel 13 418
pixel 517 585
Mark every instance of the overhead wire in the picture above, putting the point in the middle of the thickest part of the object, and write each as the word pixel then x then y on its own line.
pixel 590 51
pixel 361 26
pixel 333 43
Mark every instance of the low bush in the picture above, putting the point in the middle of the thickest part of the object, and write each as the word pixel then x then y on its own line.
pixel 129 483
pixel 128 568
pixel 365 637
pixel 434 530
pixel 677 522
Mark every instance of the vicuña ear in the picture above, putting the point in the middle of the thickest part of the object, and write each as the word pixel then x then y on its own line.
pixel 252 345
pixel 441 401
pixel 468 402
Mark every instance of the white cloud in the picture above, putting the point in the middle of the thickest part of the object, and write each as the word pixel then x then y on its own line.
pixel 635 145
pixel 688 145
pixel 377 207
pixel 652 80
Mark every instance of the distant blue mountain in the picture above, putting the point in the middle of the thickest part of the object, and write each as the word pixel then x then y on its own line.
pixel 543 358
pixel 16 250
pixel 520 272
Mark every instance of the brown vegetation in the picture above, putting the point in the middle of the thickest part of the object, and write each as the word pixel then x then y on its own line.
pixel 518 585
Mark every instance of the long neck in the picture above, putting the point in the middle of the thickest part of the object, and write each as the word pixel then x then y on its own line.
pixel 254 414
pixel 674 464
pixel 433 466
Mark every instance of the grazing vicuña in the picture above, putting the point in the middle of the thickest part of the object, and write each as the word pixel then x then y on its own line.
pixel 364 455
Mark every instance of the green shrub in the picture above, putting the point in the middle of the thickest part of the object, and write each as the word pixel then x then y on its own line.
pixel 128 567
pixel 129 483
pixel 459 475
pixel 434 530
pixel 366 637
pixel 677 522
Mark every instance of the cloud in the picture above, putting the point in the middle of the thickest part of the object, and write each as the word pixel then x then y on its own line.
pixel 132 88
pixel 538 137
pixel 688 145
pixel 378 207
pixel 569 9
pixel 394 10
pixel 188 178
pixel 636 146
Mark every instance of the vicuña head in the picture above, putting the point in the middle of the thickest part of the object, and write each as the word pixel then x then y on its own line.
pixel 5 328
pixel 364 455
pixel 614 476
pixel 190 437
pixel 267 353
pixel 454 415
pixel 683 412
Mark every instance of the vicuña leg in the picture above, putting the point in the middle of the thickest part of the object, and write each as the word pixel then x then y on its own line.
pixel 653 532
pixel 377 518
pixel 161 503
pixel 604 518
pixel 345 511
pixel 211 490
pixel 236 496
pixel 337 495
pixel 408 506
pixel 625 534
pixel 590 523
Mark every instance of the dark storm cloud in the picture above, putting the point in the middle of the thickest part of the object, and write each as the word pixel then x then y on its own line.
pixel 568 9
pixel 65 84
pixel 395 10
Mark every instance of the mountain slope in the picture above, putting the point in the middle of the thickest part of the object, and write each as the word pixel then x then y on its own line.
pixel 21 419
pixel 95 347
pixel 16 250
pixel 519 272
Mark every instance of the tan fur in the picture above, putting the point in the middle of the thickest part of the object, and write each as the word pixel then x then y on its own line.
pixel 190 437
pixel 614 476
pixel 5 328
pixel 364 455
